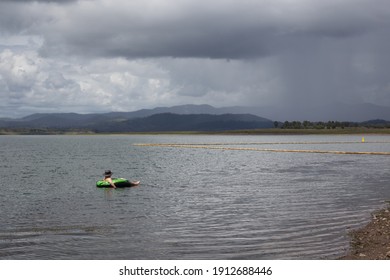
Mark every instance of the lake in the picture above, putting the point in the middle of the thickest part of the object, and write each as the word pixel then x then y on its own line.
pixel 193 203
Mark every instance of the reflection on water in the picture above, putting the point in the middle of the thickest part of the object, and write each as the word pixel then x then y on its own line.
pixel 192 203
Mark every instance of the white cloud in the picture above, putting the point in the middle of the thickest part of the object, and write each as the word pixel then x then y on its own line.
pixel 19 71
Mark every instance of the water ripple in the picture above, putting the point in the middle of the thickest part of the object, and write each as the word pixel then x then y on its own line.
pixel 192 204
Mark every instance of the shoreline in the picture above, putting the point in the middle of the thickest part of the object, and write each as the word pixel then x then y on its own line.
pixel 265 131
pixel 371 242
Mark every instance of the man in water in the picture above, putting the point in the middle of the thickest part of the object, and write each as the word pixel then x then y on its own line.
pixel 107 177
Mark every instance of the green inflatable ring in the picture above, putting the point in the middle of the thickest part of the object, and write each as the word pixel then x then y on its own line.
pixel 119 183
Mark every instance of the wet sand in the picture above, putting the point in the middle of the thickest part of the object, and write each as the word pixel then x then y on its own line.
pixel 371 242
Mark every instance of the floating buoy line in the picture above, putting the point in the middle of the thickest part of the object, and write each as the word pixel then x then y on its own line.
pixel 223 146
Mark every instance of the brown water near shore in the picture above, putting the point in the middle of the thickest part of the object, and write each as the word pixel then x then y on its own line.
pixel 372 242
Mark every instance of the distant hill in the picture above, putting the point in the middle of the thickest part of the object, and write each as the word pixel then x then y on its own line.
pixel 376 123
pixel 199 117
pixel 188 122
pixel 129 122
pixel 322 112
pixel 332 112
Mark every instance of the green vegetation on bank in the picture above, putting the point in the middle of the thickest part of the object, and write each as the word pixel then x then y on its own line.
pixel 43 131
pixel 298 131
pixel 263 131
pixel 332 124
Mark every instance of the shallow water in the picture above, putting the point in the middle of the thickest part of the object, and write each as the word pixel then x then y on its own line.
pixel 192 203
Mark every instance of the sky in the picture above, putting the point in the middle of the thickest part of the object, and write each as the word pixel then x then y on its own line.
pixel 88 56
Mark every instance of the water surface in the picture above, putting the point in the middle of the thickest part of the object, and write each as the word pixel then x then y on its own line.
pixel 192 203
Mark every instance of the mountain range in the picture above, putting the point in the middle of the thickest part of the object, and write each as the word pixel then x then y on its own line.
pixel 322 112
pixel 195 118
pixel 180 118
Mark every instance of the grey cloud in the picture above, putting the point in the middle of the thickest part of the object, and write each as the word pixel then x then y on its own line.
pixel 26 1
pixel 20 19
pixel 161 53
pixel 220 29
pixel 213 29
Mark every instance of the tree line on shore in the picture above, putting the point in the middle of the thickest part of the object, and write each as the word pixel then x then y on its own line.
pixel 331 124
pixel 379 126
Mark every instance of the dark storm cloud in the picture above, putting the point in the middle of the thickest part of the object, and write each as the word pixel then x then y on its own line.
pixel 176 32
pixel 215 29
pixel 223 52
pixel 198 29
